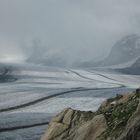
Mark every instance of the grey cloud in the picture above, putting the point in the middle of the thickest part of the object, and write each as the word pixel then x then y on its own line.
pixel 74 30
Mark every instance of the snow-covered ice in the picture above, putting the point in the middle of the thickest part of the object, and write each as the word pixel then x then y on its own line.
pixel 39 94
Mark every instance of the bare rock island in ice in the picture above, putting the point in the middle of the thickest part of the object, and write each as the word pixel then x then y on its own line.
pixel 116 119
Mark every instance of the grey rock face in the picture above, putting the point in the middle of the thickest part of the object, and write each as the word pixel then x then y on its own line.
pixel 65 124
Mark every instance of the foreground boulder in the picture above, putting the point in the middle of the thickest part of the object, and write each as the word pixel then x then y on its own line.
pixel 117 119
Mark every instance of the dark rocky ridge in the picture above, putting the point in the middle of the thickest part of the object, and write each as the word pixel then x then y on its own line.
pixel 117 119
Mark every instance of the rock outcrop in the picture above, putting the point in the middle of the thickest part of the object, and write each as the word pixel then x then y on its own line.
pixel 117 119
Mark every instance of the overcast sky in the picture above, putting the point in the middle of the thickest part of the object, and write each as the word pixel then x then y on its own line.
pixel 74 30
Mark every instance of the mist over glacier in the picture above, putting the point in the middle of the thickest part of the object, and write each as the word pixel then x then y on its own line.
pixel 74 36
pixel 64 33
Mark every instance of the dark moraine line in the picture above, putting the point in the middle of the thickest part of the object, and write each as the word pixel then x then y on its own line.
pixel 81 75
pixel 22 127
pixel 50 97
pixel 104 76
pixel 98 80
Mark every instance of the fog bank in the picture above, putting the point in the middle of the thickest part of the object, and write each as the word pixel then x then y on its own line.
pixel 65 31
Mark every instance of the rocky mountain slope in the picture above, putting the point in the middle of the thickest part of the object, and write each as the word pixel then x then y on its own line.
pixel 117 119
pixel 123 51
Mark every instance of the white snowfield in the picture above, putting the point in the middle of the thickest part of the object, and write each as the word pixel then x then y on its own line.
pixel 27 105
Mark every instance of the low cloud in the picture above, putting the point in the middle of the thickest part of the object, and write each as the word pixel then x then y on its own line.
pixel 72 31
